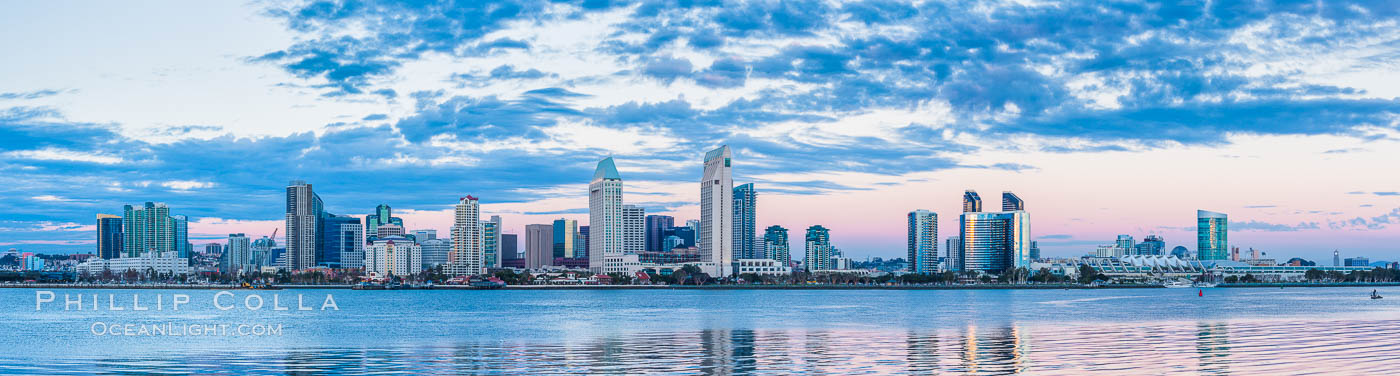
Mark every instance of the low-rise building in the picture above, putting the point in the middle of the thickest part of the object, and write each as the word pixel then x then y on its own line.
pixel 761 267
pixel 161 263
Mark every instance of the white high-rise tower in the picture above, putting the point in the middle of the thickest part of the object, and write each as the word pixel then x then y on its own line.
pixel 466 255
pixel 605 231
pixel 717 211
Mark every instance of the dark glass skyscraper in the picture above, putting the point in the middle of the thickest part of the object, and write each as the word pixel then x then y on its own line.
pixel 745 225
pixel 656 231
pixel 342 242
pixel 971 201
pixel 1010 202
pixel 109 236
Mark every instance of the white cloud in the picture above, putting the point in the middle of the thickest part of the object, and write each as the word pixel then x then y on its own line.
pixel 56 154
pixel 185 185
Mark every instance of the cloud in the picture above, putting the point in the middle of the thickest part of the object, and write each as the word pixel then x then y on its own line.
pixel 1260 206
pixel 1388 193
pixel 1367 223
pixel 185 185
pixel 31 94
pixel 1056 237
pixel 1275 227
pixel 56 154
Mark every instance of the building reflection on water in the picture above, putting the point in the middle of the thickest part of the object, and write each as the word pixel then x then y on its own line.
pixel 1167 348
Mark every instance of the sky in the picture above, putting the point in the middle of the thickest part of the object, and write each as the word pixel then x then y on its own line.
pixel 1107 118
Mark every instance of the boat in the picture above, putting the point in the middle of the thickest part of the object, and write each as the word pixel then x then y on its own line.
pixel 1374 295
pixel 1204 284
pixel 368 286
pixel 1176 284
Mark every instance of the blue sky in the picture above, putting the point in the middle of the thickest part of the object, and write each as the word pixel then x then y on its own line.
pixel 1107 117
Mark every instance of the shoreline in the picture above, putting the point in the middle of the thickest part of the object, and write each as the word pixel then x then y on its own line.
pixel 693 287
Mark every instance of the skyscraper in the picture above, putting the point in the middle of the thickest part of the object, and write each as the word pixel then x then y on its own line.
pixel 180 225
pixel 342 242
pixel 775 244
pixel 971 201
pixel 717 211
pixel 656 231
pixel 1211 232
pixel 435 253
pixel 1127 244
pixel 465 258
pixel 382 215
pixel 1035 250
pixel 581 245
pixel 239 254
pixel 109 236
pixel 303 212
pixel 923 242
pixel 954 253
pixel 818 249
pixel 491 242
pixel 148 229
pixel 393 255
pixel 634 239
pixel 1010 202
pixel 745 222
pixel 694 225
pixel 993 241
pixel 509 249
pixel 565 234
pixel 686 233
pixel 605 230
pixel 539 246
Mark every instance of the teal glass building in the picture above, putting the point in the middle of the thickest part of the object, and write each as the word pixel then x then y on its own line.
pixel 1212 230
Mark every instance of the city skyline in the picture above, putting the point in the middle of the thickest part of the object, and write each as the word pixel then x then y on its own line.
pixel 1121 124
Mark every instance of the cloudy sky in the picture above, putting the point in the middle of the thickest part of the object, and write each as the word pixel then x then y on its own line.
pixel 1106 117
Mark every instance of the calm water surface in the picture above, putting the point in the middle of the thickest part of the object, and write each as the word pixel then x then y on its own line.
pixel 771 332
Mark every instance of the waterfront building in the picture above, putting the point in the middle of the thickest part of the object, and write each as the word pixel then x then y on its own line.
pixel 109 236
pixel 383 215
pixel 147 229
pixel 342 243
pixel 953 255
pixel 491 242
pixel 762 267
pixel 656 231
pixel 972 203
pixel 239 253
pixel 923 242
pixel 180 225
pixel 539 246
pixel 1357 261
pixel 467 247
pixel 161 263
pixel 994 242
pixel 1109 250
pixel 393 255
pixel 606 232
pixel 304 209
pixel 634 238
pixel 1211 235
pixel 435 252
pixel 775 244
pixel 423 235
pixel 819 252
pixel 1011 202
pixel 1152 245
pixel 717 210
pixel 565 234
pixel 745 223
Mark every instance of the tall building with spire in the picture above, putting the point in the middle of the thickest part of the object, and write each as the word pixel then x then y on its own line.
pixel 745 223
pixel 1212 230
pixel 717 211
pixel 303 212
pixel 971 202
pixel 605 232
pixel 467 248
pixel 923 242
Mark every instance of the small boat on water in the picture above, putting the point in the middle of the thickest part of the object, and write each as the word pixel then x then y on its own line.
pixel 1204 284
pixel 368 286
pixel 1176 284
pixel 1374 295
